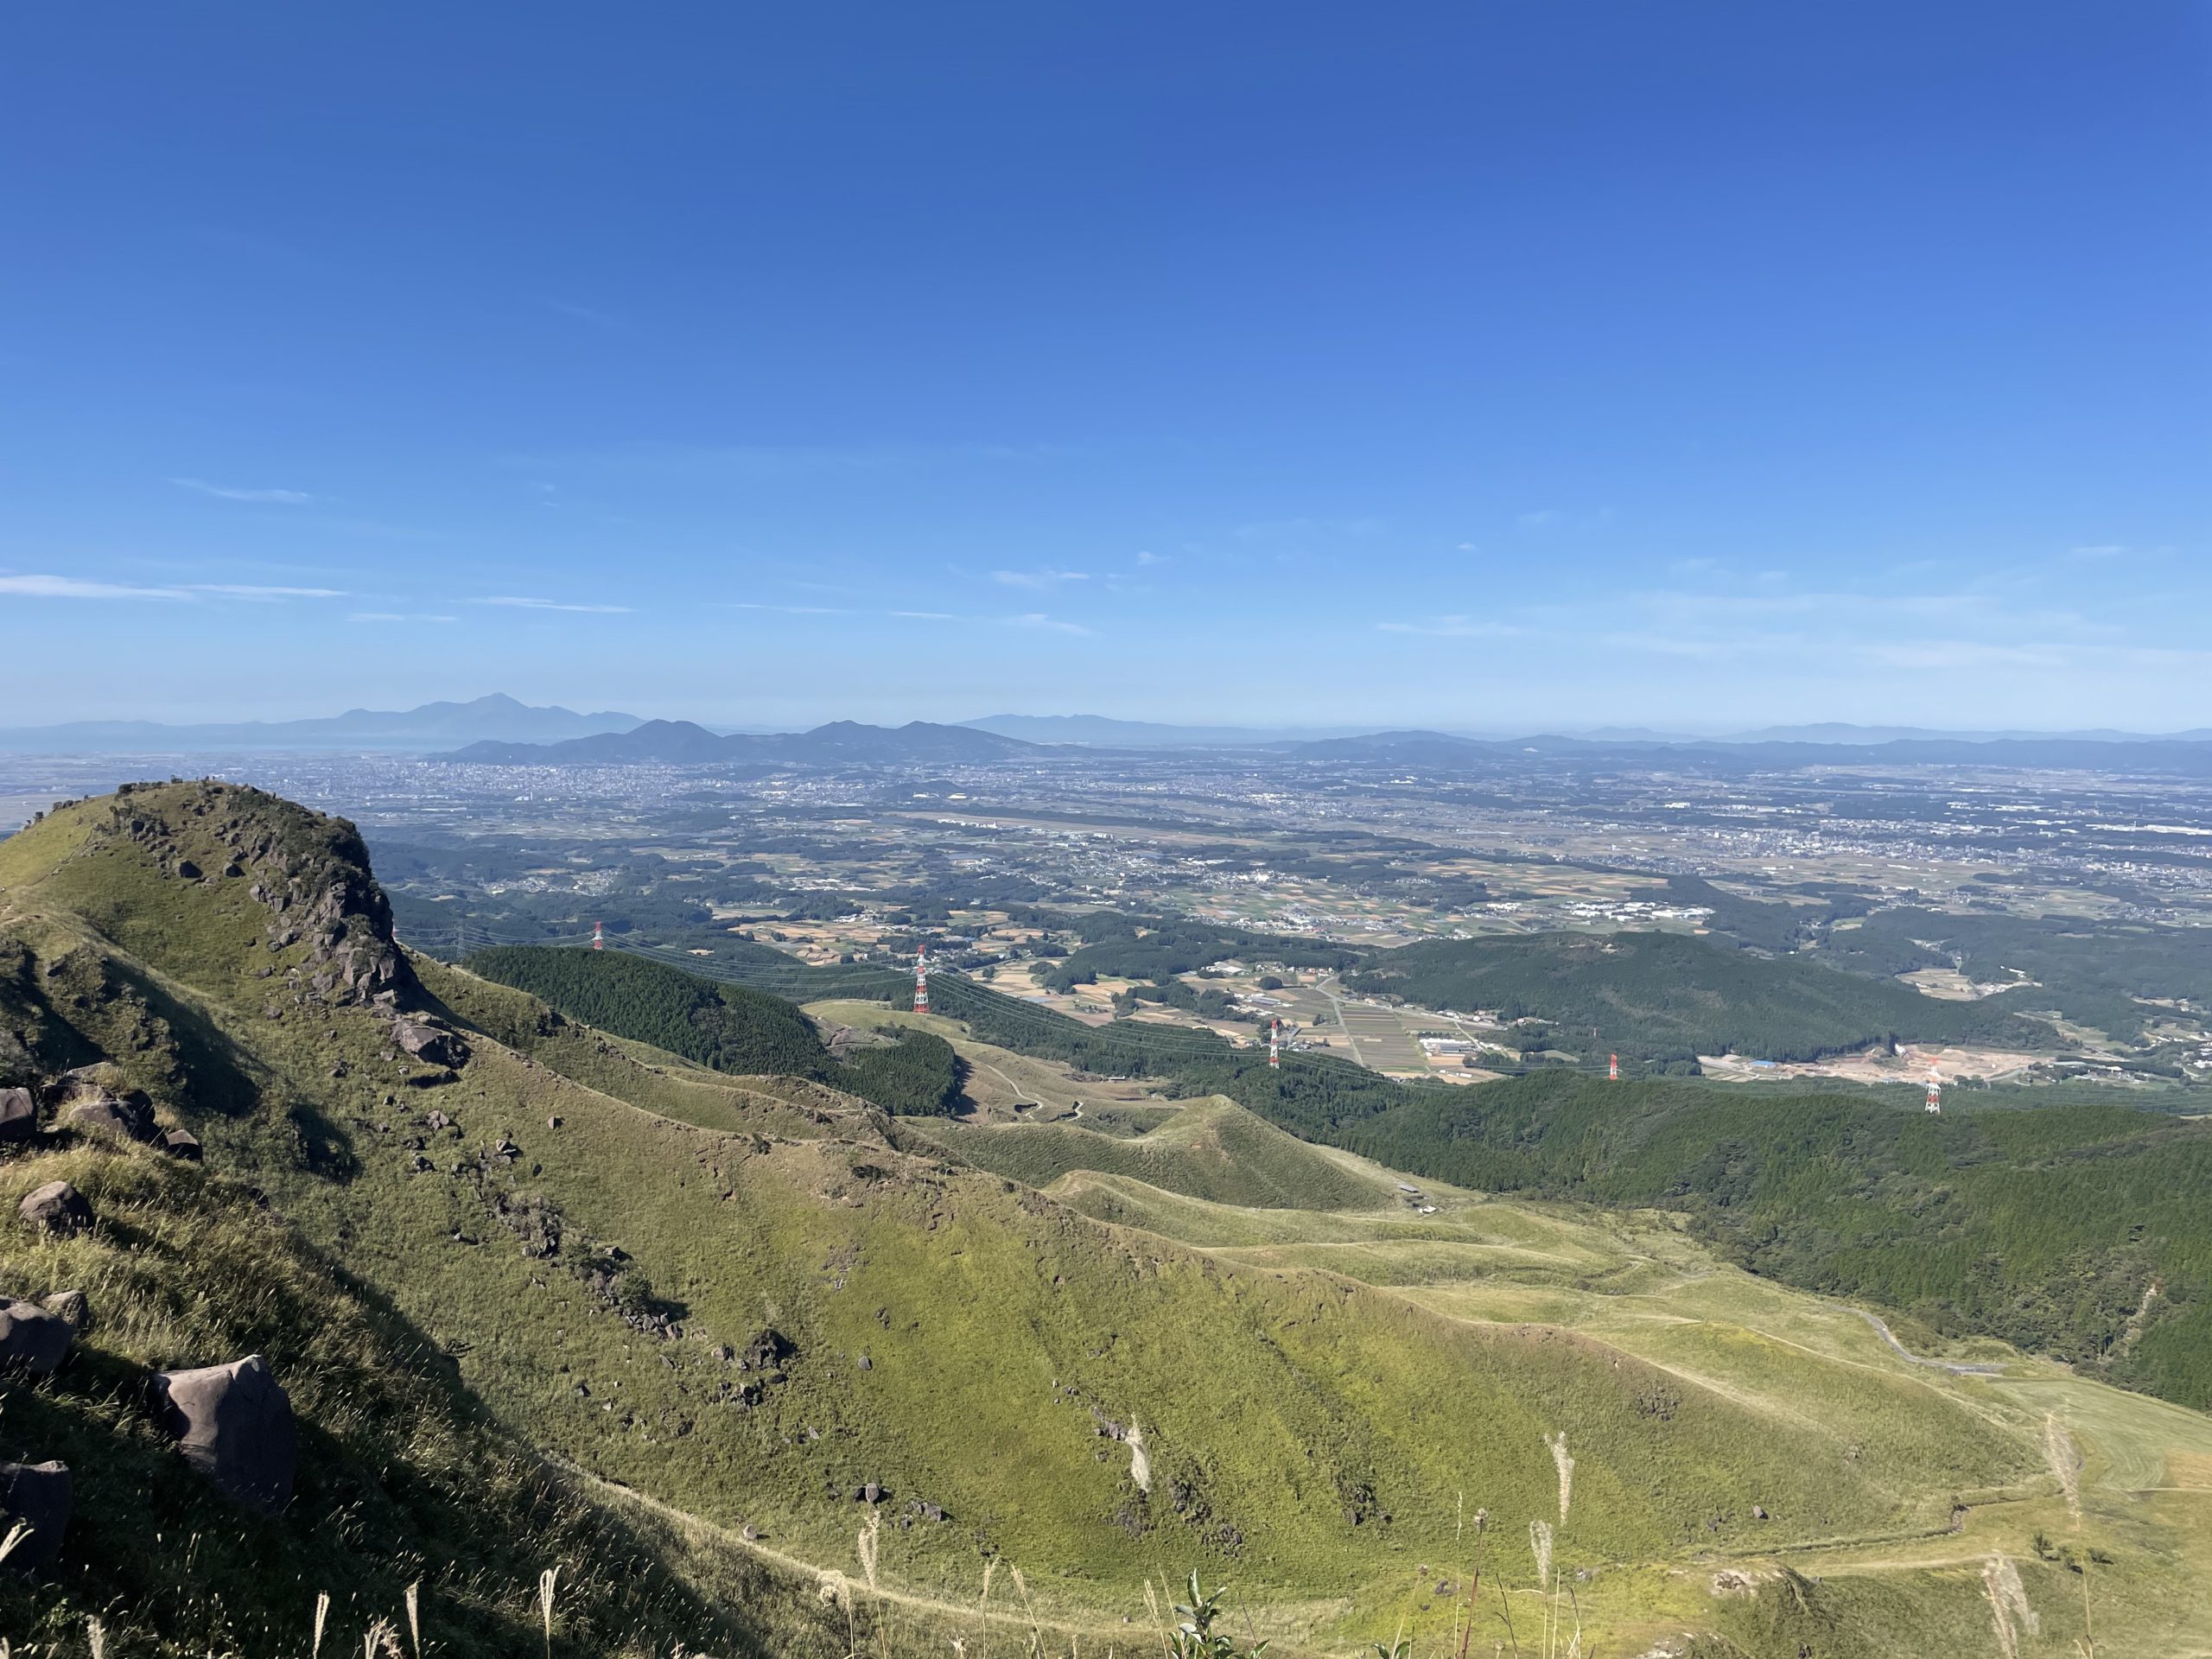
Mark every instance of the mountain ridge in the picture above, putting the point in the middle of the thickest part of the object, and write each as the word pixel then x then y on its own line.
pixel 495 716
pixel 682 742
pixel 758 1310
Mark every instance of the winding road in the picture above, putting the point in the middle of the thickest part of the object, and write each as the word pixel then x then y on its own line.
pixel 1882 1330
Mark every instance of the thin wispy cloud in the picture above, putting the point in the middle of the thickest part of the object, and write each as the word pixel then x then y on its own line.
pixel 1467 547
pixel 1274 530
pixel 2099 551
pixel 1558 520
pixel 1144 558
pixel 1049 623
pixel 1037 621
pixel 1453 628
pixel 524 603
pixel 252 590
pixel 398 616
pixel 1038 581
pixel 226 492
pixel 761 462
pixel 49 587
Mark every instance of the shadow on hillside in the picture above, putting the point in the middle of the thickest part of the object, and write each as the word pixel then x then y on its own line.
pixel 419 1481
pixel 214 1074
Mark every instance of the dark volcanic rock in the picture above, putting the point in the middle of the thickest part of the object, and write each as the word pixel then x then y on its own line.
pixel 37 1495
pixel 233 1423
pixel 32 1337
pixel 428 1044
pixel 18 1114
pixel 130 1117
pixel 182 1143
pixel 73 1308
pixel 57 1207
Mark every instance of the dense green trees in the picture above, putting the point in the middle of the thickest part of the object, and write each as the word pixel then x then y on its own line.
pixel 2093 976
pixel 918 1075
pixel 1671 996
pixel 2045 1226
pixel 729 1028
pixel 1158 948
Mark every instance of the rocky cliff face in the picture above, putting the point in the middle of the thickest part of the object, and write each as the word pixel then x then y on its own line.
pixel 309 870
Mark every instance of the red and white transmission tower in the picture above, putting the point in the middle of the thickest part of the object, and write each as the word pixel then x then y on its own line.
pixel 598 938
pixel 1935 1092
pixel 1614 1069
pixel 1274 1045
pixel 922 980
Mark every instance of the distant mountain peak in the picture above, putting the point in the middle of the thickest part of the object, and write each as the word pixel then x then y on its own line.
pixel 495 716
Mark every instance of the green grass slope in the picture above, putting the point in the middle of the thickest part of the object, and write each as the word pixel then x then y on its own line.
pixel 2076 1230
pixel 730 1028
pixel 402 1477
pixel 744 1311
pixel 1210 1149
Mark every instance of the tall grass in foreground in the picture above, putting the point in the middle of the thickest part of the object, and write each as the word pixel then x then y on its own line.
pixel 1195 1627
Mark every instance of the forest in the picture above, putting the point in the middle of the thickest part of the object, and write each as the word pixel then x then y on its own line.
pixel 2094 979
pixel 730 1028
pixel 2045 1226
pixel 1669 997
pixel 1158 948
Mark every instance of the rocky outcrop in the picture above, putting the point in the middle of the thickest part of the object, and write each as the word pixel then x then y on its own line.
pixel 432 1045
pixel 57 1207
pixel 36 1495
pixel 31 1337
pixel 310 871
pixel 129 1116
pixel 18 1115
pixel 233 1423
pixel 182 1143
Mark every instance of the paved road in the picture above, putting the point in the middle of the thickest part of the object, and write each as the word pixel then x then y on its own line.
pixel 1882 1330
pixel 1327 989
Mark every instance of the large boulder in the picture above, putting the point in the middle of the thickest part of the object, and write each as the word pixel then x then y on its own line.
pixel 181 1143
pixel 129 1116
pixel 38 1495
pixel 57 1207
pixel 427 1043
pixel 233 1423
pixel 32 1337
pixel 18 1114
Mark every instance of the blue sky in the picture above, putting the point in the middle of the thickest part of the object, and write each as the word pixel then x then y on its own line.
pixel 1478 364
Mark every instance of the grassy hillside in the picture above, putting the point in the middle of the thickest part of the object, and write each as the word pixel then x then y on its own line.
pixel 1210 1149
pixel 731 1304
pixel 1669 997
pixel 2048 1228
pixel 729 1028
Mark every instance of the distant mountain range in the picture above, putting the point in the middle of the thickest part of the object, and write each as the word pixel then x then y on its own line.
pixel 679 742
pixel 499 730
pixel 496 717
